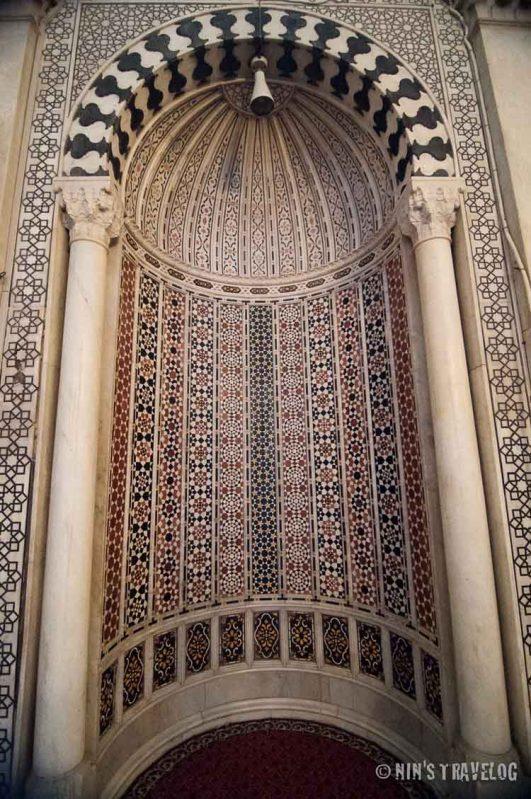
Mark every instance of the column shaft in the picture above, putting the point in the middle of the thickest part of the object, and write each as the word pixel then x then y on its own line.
pixel 60 720
pixel 478 653
pixel 63 655
pixel 427 214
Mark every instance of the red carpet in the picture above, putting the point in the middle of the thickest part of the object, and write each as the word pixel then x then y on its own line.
pixel 268 764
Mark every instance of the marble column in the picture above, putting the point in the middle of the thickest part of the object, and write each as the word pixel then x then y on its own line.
pixel 91 213
pixel 426 215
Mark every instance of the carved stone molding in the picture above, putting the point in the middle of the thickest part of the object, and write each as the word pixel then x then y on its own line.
pixel 427 208
pixel 92 209
pixel 495 11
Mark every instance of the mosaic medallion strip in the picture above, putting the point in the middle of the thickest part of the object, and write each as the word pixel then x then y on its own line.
pixel 370 650
pixel 198 576
pixel 133 683
pixel 358 478
pixel 263 443
pixel 143 449
pixel 336 641
pixel 107 690
pixel 294 451
pixel 330 543
pixel 411 456
pixel 198 647
pixel 232 639
pixel 403 665
pixel 164 659
pixel 119 455
pixel 269 628
pixel 301 636
pixel 232 505
pixel 169 461
pixel 266 635
pixel 392 539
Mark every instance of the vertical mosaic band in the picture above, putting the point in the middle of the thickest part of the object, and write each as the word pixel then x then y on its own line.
pixel 264 521
pixel 411 456
pixel 143 454
pixel 199 507
pixel 231 499
pixel 170 448
pixel 330 544
pixel 395 581
pixel 361 527
pixel 294 451
pixel 119 456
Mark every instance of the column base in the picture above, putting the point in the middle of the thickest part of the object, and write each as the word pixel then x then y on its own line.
pixel 72 785
pixel 493 785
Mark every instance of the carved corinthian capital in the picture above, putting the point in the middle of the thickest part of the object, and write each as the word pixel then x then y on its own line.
pixel 91 209
pixel 426 209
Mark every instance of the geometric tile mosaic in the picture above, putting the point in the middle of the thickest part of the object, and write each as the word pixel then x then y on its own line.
pixel 232 425
pixel 301 636
pixel 361 526
pixel 232 639
pixel 199 498
pixel 198 647
pixel 411 455
pixel 263 448
pixel 143 446
pixel 119 460
pixel 403 666
pixel 432 685
pixel 133 682
pixel 326 457
pixel 22 349
pixel 370 650
pixel 336 641
pixel 164 659
pixel 384 440
pixel 169 463
pixel 107 689
pixel 266 635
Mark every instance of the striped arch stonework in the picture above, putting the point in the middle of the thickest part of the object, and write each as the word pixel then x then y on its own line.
pixel 217 46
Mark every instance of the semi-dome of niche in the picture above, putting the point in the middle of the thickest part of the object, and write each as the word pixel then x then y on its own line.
pixel 224 192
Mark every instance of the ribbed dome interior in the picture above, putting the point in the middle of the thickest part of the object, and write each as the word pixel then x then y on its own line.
pixel 218 189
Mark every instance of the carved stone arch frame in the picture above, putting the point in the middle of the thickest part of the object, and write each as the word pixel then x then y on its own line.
pixel 119 104
pixel 451 43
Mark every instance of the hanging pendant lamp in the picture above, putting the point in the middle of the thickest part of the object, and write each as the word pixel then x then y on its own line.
pixel 262 102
